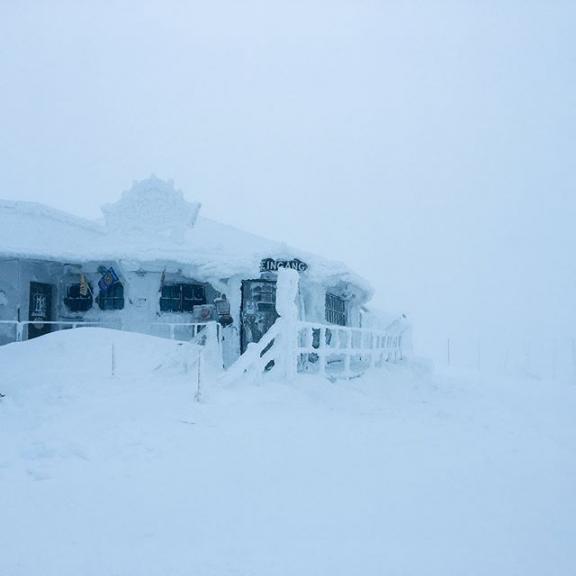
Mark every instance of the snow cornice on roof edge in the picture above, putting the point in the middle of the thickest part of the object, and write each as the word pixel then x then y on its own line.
pixel 35 209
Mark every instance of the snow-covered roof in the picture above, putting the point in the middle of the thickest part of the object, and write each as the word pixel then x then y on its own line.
pixel 33 230
pixel 152 222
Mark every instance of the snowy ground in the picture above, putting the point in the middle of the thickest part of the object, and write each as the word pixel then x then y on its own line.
pixel 399 473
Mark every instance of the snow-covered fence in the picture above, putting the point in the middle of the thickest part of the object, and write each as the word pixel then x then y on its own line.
pixel 21 325
pixel 538 356
pixel 259 357
pixel 344 351
pixel 171 330
pixel 308 347
pixel 184 330
pixel 206 334
pixel 10 331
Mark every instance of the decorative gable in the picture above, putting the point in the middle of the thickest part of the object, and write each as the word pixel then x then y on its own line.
pixel 152 206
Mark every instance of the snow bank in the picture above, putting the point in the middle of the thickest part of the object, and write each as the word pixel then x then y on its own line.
pixel 73 358
pixel 401 472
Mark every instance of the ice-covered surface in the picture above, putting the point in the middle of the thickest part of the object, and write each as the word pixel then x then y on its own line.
pixel 399 473
pixel 151 223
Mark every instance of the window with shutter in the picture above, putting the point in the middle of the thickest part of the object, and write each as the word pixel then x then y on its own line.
pixel 76 301
pixel 113 298
pixel 335 310
pixel 182 297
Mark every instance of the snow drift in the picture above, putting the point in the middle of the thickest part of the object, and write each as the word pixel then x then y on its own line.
pixel 400 472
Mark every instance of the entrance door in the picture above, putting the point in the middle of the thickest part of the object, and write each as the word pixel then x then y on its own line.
pixel 40 309
pixel 258 310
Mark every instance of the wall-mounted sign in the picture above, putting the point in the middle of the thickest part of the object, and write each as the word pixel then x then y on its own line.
pixel 109 278
pixel 272 265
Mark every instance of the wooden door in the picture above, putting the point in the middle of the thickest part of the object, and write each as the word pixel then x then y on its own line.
pixel 258 311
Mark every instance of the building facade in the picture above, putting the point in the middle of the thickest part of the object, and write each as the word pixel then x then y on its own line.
pixel 155 266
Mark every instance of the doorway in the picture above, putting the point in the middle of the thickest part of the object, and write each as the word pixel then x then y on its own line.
pixel 258 310
pixel 40 311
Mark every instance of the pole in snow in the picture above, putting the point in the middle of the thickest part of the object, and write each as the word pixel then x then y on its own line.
pixel 197 396
pixel 573 343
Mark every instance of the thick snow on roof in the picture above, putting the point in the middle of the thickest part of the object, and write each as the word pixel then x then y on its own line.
pixel 33 230
pixel 152 222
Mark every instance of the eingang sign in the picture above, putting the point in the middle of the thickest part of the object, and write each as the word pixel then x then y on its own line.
pixel 273 265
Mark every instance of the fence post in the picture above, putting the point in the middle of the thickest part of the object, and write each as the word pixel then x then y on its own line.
pixel 322 351
pixel 347 351
pixel 198 395
pixel 113 361
pixel 573 344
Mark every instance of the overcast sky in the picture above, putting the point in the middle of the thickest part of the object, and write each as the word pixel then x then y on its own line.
pixel 429 144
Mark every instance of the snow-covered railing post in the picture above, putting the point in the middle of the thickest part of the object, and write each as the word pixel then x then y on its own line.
pixel 347 347
pixel 212 345
pixel 287 309
pixel 322 350
pixel 19 332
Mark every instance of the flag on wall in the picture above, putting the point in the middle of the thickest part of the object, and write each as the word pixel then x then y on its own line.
pixel 84 288
pixel 109 278
pixel 162 278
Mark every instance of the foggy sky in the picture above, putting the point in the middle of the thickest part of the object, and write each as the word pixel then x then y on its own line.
pixel 430 145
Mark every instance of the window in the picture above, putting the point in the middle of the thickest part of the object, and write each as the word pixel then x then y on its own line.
pixel 113 298
pixel 335 310
pixel 76 301
pixel 182 297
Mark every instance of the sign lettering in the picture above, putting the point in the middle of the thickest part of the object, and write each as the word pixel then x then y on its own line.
pixel 272 265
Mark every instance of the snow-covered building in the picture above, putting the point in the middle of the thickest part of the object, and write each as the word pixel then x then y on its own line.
pixel 155 265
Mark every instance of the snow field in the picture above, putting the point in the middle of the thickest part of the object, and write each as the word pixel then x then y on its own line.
pixel 401 472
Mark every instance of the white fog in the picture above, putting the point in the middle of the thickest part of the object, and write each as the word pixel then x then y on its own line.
pixel 428 146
